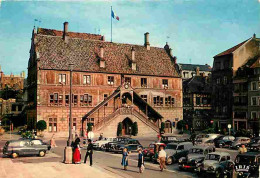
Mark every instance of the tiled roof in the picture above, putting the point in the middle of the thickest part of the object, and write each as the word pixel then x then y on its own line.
pixel 55 53
pixel 230 50
pixel 197 84
pixel 192 67
pixel 51 32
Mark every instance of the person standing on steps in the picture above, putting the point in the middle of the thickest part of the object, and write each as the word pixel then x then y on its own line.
pixel 89 152
pixel 124 162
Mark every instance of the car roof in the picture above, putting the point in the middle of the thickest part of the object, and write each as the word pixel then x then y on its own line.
pixel 203 147
pixel 249 154
pixel 183 143
pixel 220 153
pixel 243 137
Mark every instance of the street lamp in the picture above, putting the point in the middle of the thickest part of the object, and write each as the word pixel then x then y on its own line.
pixel 229 127
pixel 68 148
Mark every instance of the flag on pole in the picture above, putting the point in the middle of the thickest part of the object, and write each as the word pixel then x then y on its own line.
pixel 114 15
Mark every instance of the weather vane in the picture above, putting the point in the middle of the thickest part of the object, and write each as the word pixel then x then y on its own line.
pixel 37 20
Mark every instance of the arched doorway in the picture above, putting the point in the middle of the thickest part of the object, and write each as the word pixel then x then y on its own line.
pixel 168 127
pixel 127 126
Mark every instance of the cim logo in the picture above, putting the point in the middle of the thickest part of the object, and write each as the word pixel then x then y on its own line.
pixel 242 168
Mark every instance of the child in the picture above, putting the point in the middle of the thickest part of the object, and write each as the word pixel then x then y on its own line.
pixel 125 159
pixel 140 160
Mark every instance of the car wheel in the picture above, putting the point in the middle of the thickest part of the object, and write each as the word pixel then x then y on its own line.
pixel 15 155
pixel 42 153
pixel 218 174
pixel 169 160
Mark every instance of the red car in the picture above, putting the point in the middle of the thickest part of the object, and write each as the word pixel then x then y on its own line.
pixel 149 152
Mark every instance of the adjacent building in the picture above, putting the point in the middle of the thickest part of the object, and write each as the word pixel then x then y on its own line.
pixel 197 101
pixel 190 70
pixel 112 83
pixel 12 81
pixel 224 70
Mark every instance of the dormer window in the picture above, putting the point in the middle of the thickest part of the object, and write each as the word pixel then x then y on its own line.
pixel 144 82
pixel 110 80
pixel 86 79
pixel 165 83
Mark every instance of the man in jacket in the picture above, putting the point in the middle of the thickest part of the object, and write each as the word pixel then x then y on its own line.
pixel 89 152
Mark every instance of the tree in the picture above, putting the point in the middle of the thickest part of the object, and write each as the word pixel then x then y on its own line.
pixel 41 125
pixel 162 127
pixel 135 129
pixel 89 127
pixel 181 124
pixel 119 129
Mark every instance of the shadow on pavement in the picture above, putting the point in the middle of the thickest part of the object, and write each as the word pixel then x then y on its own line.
pixel 121 169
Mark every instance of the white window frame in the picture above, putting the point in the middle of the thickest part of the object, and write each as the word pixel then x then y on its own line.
pixel 255 113
pixel 86 79
pixel 256 101
pixel 62 78
pixel 252 86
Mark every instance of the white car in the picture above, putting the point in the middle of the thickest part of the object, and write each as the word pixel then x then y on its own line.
pixel 100 144
pixel 207 138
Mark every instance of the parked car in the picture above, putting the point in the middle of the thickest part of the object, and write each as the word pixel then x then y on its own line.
pixel 110 145
pixel 130 144
pixel 247 164
pixel 100 144
pixel 24 147
pixel 174 151
pixel 195 156
pixel 254 145
pixel 149 152
pixel 240 141
pixel 217 163
pixel 168 139
pixel 223 141
pixel 207 137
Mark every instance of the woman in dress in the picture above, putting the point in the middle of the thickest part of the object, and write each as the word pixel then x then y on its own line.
pixel 76 153
pixel 125 158
pixel 52 143
pixel 140 160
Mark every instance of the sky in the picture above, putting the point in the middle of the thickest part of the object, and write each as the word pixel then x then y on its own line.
pixel 196 30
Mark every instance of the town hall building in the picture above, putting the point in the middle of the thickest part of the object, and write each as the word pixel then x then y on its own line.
pixel 111 83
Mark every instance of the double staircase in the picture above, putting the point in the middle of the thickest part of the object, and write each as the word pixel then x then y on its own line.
pixel 126 111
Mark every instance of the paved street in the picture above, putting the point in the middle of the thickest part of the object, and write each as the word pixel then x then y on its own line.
pixel 111 162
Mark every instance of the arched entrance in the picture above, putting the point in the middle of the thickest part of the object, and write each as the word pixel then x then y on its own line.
pixel 127 126
pixel 168 127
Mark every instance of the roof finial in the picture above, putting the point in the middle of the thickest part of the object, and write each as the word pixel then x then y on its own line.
pixel 254 35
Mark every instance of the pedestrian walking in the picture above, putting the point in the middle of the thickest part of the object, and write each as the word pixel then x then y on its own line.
pixel 76 151
pixel 52 142
pixel 162 158
pixel 89 152
pixel 140 160
pixel 242 149
pixel 124 162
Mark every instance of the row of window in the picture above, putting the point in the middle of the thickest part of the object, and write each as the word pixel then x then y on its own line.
pixel 111 80
pixel 168 101
pixel 53 124
pixel 57 99
pixel 225 80
pixel 220 109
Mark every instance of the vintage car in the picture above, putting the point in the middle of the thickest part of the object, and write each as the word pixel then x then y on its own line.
pixel 100 144
pixel 149 152
pixel 174 151
pixel 247 164
pixel 130 144
pixel 239 141
pixel 25 147
pixel 217 163
pixel 254 145
pixel 196 156
pixel 207 138
pixel 223 141
pixel 110 145
pixel 168 139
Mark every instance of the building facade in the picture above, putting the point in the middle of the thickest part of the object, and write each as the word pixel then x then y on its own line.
pixel 15 82
pixel 190 70
pixel 197 102
pixel 112 83
pixel 224 70
pixel 246 108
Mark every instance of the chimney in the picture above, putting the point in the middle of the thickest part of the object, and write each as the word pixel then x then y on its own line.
pixel 133 62
pixel 197 71
pixel 166 47
pixel 146 41
pixel 103 38
pixel 102 61
pixel 254 36
pixel 65 31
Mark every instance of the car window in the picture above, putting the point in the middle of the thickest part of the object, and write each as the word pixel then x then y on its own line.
pixel 228 157
pixel 212 157
pixel 195 150
pixel 36 142
pixel 180 147
pixel 171 147
pixel 130 142
pixel 135 142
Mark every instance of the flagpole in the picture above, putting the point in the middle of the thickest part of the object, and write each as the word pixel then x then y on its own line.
pixel 111 23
